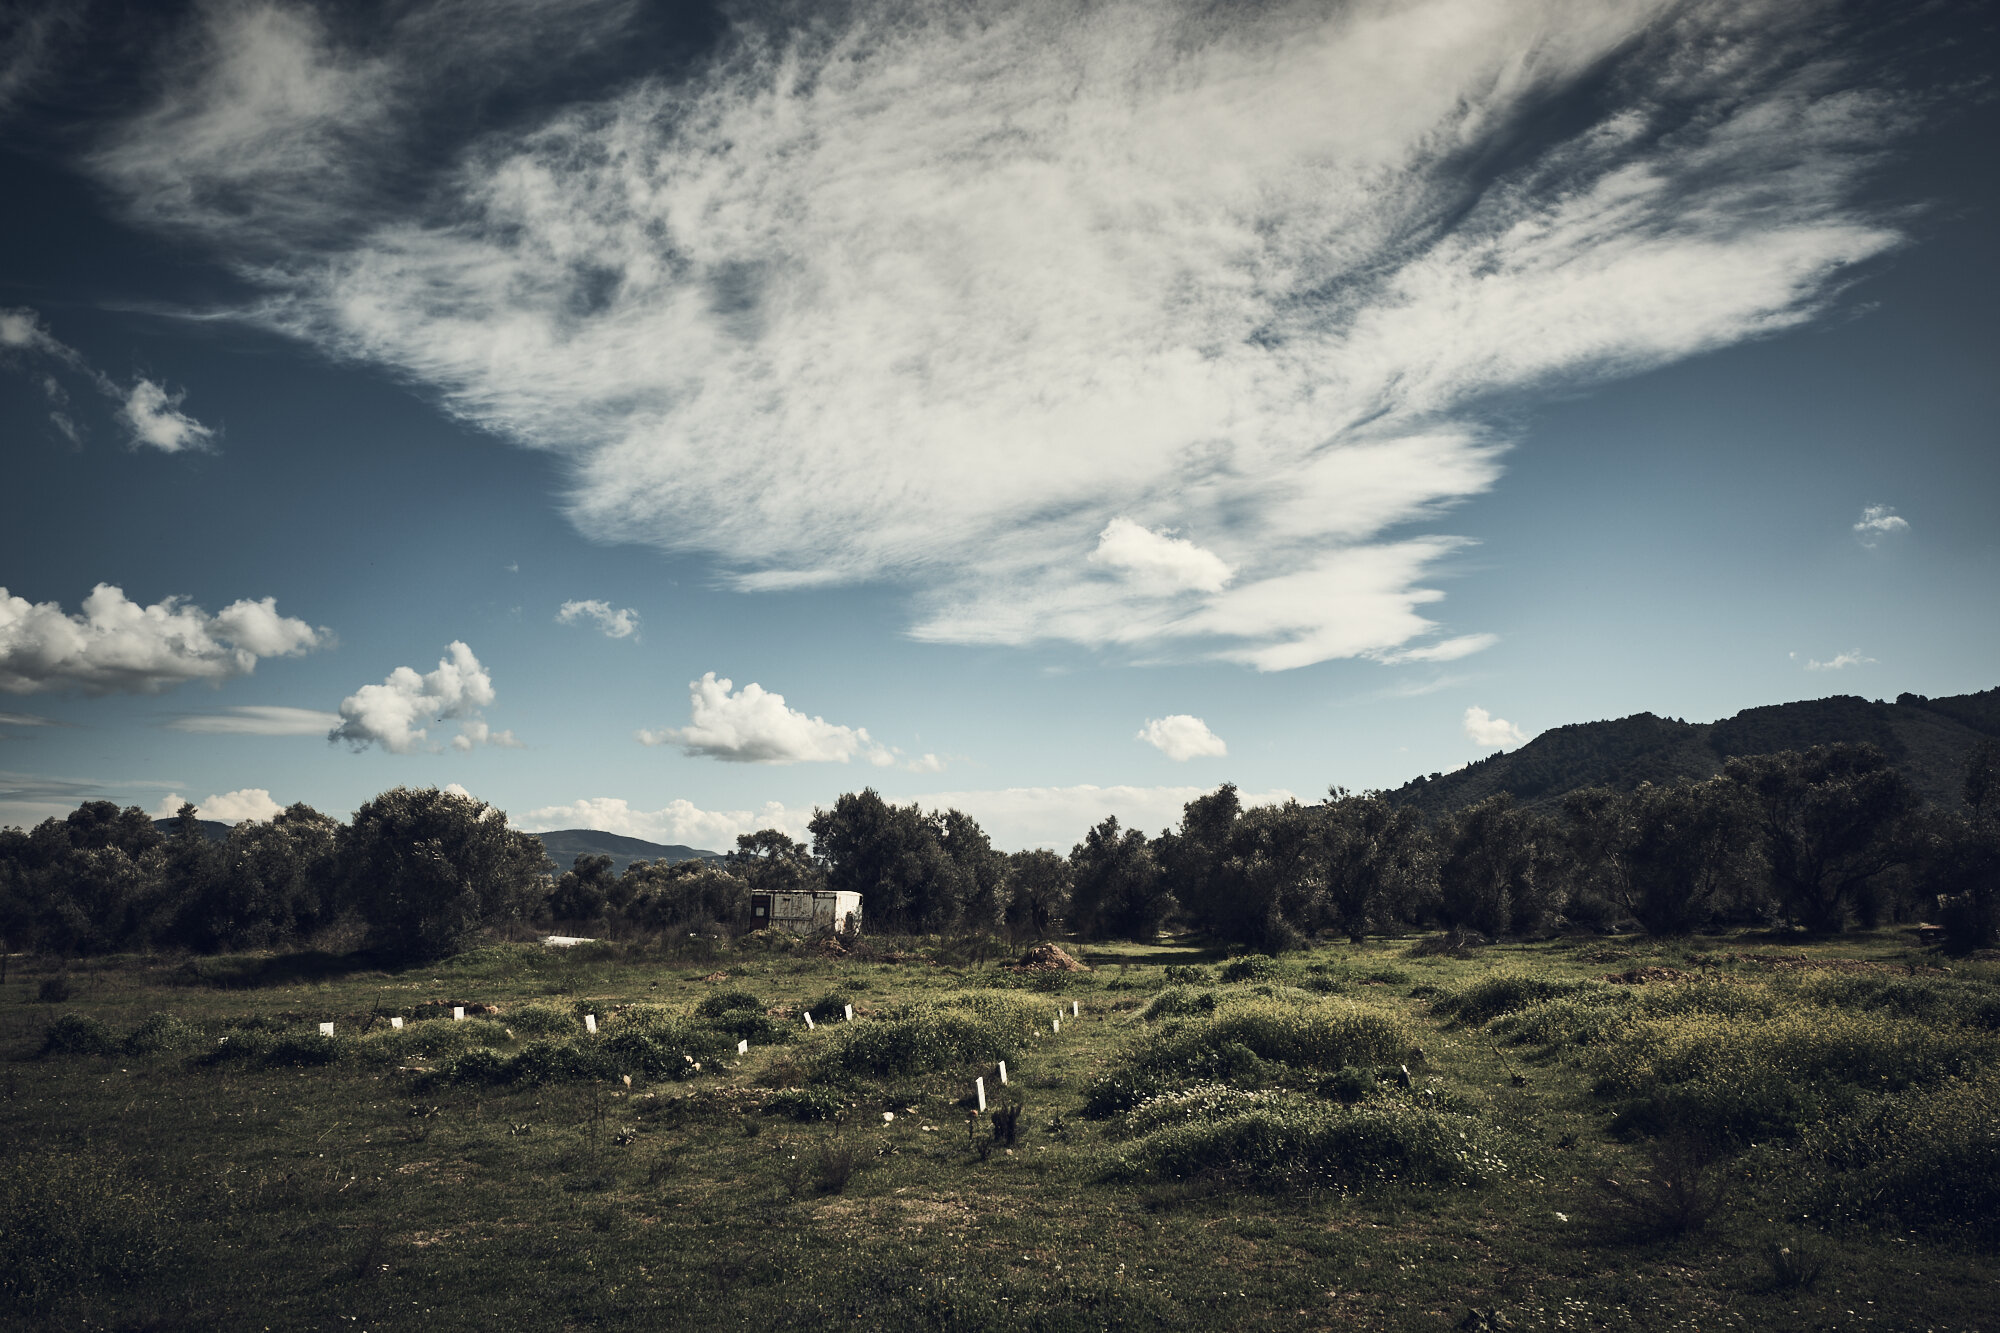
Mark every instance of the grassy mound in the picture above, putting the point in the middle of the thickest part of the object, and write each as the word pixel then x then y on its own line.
pixel 966 1029
pixel 1929 1161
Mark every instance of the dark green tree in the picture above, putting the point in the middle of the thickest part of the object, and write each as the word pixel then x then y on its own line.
pixel 1378 863
pixel 1118 891
pixel 1038 892
pixel 584 892
pixel 1500 868
pixel 1830 820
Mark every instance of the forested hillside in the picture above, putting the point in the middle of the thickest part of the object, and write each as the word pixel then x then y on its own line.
pixel 1928 741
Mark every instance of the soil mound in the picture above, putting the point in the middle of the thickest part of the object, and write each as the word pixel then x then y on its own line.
pixel 1048 958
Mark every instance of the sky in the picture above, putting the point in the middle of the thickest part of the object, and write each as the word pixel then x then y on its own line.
pixel 664 418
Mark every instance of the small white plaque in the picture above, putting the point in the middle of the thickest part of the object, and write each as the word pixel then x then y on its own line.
pixel 1055 1025
pixel 1075 1010
pixel 743 1047
pixel 590 1022
pixel 396 1023
pixel 850 1013
pixel 458 1013
pixel 326 1029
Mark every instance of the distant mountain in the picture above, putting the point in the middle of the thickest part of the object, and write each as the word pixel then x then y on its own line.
pixel 1928 740
pixel 216 830
pixel 565 845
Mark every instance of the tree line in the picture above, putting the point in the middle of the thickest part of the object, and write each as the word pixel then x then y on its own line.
pixel 1820 839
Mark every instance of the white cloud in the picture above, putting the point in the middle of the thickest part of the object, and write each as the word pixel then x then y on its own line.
pixel 117 645
pixel 679 822
pixel 257 720
pixel 1449 650
pixel 1482 728
pixel 154 417
pixel 1180 737
pixel 392 714
pixel 1169 563
pixel 1877 522
pixel 754 726
pixel 622 623
pixel 957 304
pixel 25 720
pixel 1839 662
pixel 251 803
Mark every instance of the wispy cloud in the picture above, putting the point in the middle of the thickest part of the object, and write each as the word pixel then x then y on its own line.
pixel 621 623
pixel 1143 325
pixel 1877 522
pixel 149 412
pixel 392 714
pixel 1180 736
pixel 1482 728
pixel 118 646
pixel 257 720
pixel 1838 662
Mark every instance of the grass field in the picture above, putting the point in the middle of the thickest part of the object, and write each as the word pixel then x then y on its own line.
pixel 1738 1132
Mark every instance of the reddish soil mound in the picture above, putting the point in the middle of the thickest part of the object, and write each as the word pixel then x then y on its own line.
pixel 1048 958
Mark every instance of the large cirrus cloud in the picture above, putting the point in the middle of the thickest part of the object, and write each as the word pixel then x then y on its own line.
pixel 116 645
pixel 396 715
pixel 1146 324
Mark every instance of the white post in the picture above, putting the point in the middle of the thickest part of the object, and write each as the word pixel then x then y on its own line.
pixel 1003 1073
pixel 1075 1010
pixel 743 1047
pixel 458 1013
pixel 1055 1024
pixel 850 1013
pixel 326 1029
pixel 396 1023
pixel 979 1087
pixel 590 1022
pixel 809 1018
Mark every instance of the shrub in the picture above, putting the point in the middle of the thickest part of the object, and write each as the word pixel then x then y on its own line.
pixel 76 1222
pixel 78 1034
pixel 1928 1160
pixel 967 1029
pixel 1501 993
pixel 722 1002
pixel 1251 967
pixel 807 1104
pixel 54 990
pixel 428 1041
pixel 539 1018
pixel 1287 1141
pixel 1679 1190
pixel 1179 1002
pixel 1186 974
pixel 162 1032
pixel 830 1007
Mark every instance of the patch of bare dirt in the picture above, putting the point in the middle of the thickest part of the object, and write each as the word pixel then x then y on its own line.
pixel 1047 957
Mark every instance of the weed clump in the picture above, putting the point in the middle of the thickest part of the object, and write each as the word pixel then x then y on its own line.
pixel 1929 1160
pixel 1286 1140
pixel 539 1018
pixel 1179 1002
pixel 1186 974
pixel 807 1104
pixel 1501 993
pixel 160 1033
pixel 78 1034
pixel 72 1223
pixel 972 1027
pixel 1250 967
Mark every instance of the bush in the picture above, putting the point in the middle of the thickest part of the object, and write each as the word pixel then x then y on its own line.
pixel 1179 1002
pixel 1186 974
pixel 807 1104
pixel 428 1041
pixel 1502 993
pixel 75 1222
pixel 1928 1160
pixel 78 1034
pixel 162 1032
pixel 1250 967
pixel 1284 1140
pixel 830 1007
pixel 971 1028
pixel 723 1002
pixel 539 1018
pixel 55 989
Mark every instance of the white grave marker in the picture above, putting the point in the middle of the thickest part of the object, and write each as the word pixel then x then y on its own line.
pixel 809 1018
pixel 850 1013
pixel 743 1047
pixel 396 1023
pixel 590 1022
pixel 1055 1025
pixel 458 1013
pixel 979 1088
pixel 326 1029
pixel 1003 1073
pixel 1075 1010
pixel 887 1116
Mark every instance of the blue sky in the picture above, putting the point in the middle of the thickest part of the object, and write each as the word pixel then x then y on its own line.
pixel 663 419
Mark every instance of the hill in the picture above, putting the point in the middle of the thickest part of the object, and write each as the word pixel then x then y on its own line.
pixel 565 845
pixel 1928 740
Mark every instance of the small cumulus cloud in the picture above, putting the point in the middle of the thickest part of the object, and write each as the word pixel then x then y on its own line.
pixel 257 720
pixel 1169 563
pixel 1878 522
pixel 1838 662
pixel 1180 737
pixel 755 726
pixel 621 623
pixel 392 714
pixel 119 646
pixel 1482 728
pixel 232 807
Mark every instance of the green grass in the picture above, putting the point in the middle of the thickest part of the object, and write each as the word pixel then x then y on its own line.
pixel 184 1150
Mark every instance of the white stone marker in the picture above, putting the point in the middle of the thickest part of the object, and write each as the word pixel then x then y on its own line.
pixel 887 1116
pixel 850 1013
pixel 809 1018
pixel 1003 1073
pixel 590 1022
pixel 743 1047
pixel 396 1023
pixel 326 1029
pixel 458 1013
pixel 979 1088
pixel 1055 1024
pixel 1075 1010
